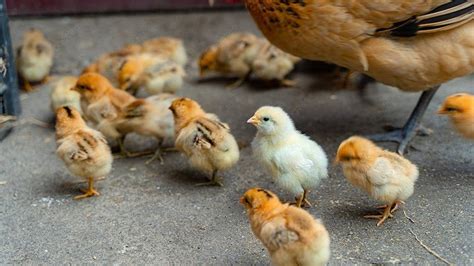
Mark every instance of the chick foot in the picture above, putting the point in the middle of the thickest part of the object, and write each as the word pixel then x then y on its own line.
pixel 156 155
pixel 302 201
pixel 288 83
pixel 215 181
pixel 404 135
pixel 26 86
pixel 89 192
pixel 381 217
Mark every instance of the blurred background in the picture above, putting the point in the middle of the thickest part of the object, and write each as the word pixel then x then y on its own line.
pixel 62 7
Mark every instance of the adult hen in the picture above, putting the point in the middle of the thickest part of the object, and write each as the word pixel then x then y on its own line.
pixel 414 45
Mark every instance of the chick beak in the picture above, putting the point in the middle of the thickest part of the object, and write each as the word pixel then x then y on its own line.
pixel 211 2
pixel 254 121
pixel 242 200
pixel 442 111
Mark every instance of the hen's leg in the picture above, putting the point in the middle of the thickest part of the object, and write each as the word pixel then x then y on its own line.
pixel 404 135
pixel 89 192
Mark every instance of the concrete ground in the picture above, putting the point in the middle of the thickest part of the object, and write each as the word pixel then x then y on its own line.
pixel 153 214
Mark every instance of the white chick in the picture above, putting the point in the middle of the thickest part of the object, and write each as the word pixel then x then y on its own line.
pixel 295 162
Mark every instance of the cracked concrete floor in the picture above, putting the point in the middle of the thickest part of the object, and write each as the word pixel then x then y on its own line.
pixel 153 214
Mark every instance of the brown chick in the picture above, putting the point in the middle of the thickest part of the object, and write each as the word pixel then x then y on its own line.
pixel 414 45
pixel 108 65
pixel 460 109
pixel 384 175
pixel 34 58
pixel 232 55
pixel 84 150
pixel 101 104
pixel 149 117
pixel 290 234
pixel 131 72
pixel 204 139
pixel 168 47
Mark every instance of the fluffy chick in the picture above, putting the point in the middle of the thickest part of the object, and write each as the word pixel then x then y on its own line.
pixel 232 55
pixel 296 162
pixel 384 175
pixel 149 117
pixel 163 77
pixel 84 150
pixel 460 109
pixel 130 73
pixel 203 138
pixel 291 235
pixel 62 95
pixel 168 47
pixel 102 103
pixel 108 65
pixel 34 58
pixel 272 63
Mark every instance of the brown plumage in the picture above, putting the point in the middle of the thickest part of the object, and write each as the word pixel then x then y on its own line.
pixel 84 150
pixel 290 234
pixel 203 138
pixel 414 45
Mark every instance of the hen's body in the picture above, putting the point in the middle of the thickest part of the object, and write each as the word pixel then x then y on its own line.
pixel 343 32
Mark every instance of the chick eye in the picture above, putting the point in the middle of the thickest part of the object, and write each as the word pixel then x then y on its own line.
pixel 266 119
pixel 450 109
pixel 272 56
pixel 173 69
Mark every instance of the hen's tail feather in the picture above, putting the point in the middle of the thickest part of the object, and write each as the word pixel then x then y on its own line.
pixel 442 18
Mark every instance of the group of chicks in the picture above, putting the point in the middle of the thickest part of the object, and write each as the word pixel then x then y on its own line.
pixel 103 96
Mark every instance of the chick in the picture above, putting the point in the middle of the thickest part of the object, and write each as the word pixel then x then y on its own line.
pixel 149 117
pixel 460 109
pixel 163 77
pixel 232 55
pixel 295 162
pixel 204 139
pixel 34 58
pixel 84 150
pixel 168 47
pixel 291 235
pixel 385 175
pixel 108 65
pixel 130 73
pixel 102 103
pixel 272 63
pixel 62 95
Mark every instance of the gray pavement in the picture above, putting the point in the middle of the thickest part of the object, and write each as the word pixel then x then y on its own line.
pixel 153 214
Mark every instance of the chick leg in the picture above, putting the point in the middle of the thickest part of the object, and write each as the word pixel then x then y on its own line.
pixel 288 83
pixel 158 153
pixel 126 154
pixel 404 135
pixel 214 181
pixel 27 86
pixel 387 213
pixel 89 192
pixel 237 83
